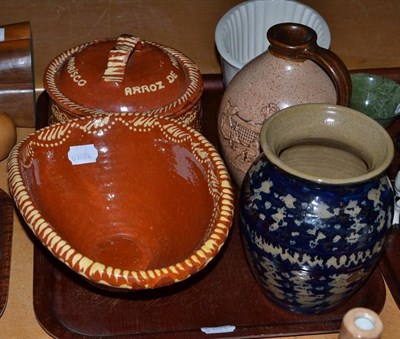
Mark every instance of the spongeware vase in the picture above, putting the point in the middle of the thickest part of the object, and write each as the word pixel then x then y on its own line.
pixel 316 205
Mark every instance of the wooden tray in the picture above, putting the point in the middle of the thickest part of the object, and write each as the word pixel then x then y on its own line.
pixel 224 293
pixel 6 229
pixel 390 264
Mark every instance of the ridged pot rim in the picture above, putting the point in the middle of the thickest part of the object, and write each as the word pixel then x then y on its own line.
pixel 347 119
pixel 97 272
pixel 273 7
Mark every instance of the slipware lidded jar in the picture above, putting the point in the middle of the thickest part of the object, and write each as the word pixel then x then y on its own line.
pixel 122 75
pixel 316 205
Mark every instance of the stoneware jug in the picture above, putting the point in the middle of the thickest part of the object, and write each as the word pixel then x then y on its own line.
pixel 316 205
pixel 294 70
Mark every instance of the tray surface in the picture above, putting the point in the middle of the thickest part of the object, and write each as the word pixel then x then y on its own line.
pixel 6 224
pixel 224 293
pixel 390 264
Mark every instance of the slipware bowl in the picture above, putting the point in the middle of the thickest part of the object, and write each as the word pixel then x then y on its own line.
pixel 241 33
pixel 376 96
pixel 127 201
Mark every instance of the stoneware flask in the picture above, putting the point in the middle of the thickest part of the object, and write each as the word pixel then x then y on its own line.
pixel 294 70
pixel 316 205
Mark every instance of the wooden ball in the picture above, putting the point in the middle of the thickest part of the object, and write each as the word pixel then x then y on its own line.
pixel 8 135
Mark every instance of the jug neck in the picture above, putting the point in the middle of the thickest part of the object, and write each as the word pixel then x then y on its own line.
pixel 299 42
pixel 290 40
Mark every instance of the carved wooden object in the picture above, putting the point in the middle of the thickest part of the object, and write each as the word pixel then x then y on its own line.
pixel 17 97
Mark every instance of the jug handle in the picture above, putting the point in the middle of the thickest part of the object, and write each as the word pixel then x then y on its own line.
pixel 299 42
pixel 335 68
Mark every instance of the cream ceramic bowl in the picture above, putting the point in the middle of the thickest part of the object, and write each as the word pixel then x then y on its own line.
pixel 241 33
pixel 127 201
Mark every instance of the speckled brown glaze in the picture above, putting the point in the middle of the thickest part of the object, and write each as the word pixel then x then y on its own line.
pixel 284 76
pixel 153 207
pixel 124 75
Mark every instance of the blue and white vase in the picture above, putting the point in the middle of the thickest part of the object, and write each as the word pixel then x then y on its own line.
pixel 316 206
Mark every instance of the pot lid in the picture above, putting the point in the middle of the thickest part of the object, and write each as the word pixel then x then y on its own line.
pixel 123 75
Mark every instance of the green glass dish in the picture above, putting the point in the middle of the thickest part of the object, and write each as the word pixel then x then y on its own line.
pixel 376 96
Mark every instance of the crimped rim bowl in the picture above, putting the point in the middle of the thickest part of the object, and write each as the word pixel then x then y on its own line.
pixel 154 184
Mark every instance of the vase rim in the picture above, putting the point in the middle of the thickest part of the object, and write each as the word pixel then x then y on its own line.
pixel 323 115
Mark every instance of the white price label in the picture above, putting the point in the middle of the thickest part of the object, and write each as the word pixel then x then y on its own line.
pixel 2 34
pixel 83 154
pixel 218 329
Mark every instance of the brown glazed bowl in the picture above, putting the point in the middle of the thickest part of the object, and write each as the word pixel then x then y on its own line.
pixel 127 201
pixel 124 75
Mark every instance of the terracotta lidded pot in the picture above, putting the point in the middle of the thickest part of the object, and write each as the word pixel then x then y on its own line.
pixel 123 75
pixel 316 206
pixel 294 70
